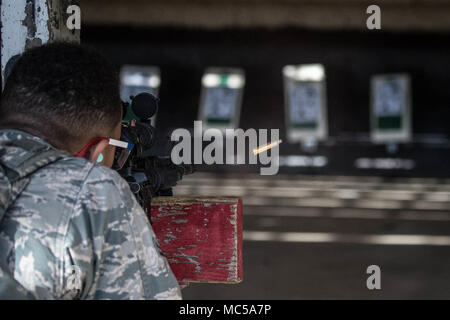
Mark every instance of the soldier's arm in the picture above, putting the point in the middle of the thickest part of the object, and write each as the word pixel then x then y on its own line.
pixel 111 242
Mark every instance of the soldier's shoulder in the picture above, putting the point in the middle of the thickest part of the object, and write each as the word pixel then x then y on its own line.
pixel 80 167
pixel 71 175
pixel 74 167
pixel 105 175
pixel 100 186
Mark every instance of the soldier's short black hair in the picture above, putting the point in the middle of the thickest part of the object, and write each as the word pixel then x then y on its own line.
pixel 66 90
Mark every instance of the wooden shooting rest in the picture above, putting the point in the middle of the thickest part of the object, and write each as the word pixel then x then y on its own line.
pixel 200 237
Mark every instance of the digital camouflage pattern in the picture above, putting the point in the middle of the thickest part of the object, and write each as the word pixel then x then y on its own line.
pixel 72 229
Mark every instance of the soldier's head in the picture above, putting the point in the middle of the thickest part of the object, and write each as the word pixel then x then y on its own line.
pixel 66 94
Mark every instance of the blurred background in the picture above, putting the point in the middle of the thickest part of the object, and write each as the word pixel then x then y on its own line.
pixel 363 115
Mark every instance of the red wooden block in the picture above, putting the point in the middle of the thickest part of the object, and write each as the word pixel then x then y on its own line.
pixel 200 237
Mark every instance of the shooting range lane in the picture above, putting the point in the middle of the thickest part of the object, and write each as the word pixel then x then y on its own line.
pixel 350 59
pixel 311 236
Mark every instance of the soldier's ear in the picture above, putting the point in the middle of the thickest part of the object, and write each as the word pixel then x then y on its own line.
pixel 96 151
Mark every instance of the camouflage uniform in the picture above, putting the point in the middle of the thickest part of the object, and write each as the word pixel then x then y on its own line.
pixel 75 231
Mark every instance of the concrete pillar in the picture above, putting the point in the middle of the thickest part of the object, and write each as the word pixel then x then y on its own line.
pixel 30 23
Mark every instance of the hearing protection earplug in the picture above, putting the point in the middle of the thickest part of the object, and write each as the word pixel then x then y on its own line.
pixel 100 158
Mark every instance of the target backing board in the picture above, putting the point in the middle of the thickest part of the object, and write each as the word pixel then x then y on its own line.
pixel 305 102
pixel 391 108
pixel 221 98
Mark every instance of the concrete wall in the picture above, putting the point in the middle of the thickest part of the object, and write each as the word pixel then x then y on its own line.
pixel 430 15
pixel 30 23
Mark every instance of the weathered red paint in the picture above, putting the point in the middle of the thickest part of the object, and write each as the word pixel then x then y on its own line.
pixel 200 237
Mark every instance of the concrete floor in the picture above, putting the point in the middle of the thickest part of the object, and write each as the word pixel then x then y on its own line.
pixel 315 237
